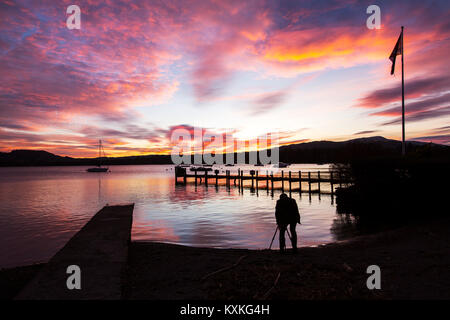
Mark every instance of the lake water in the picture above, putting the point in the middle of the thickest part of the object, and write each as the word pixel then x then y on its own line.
pixel 41 208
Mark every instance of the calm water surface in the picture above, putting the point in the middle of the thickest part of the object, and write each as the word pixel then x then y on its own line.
pixel 43 207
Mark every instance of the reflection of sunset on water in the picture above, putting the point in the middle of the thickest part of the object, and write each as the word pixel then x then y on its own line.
pixel 159 230
pixel 41 208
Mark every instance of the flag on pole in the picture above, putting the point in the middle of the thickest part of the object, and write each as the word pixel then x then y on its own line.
pixel 398 50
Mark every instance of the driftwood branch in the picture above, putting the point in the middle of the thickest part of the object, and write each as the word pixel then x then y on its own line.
pixel 223 269
pixel 266 295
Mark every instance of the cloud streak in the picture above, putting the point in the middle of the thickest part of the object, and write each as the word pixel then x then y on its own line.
pixel 62 88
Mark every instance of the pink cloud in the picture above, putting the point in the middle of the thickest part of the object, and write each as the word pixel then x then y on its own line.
pixel 136 53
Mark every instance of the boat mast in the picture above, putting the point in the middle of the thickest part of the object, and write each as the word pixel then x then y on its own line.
pixel 99 153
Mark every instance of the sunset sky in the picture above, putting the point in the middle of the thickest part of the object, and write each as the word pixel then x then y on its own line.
pixel 136 70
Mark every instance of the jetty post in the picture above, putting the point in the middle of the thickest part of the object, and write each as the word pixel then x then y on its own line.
pixel 309 181
pixel 290 182
pixel 271 180
pixel 318 180
pixel 300 182
pixel 331 182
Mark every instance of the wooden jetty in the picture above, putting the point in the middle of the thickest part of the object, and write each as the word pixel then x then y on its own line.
pixel 290 181
pixel 99 249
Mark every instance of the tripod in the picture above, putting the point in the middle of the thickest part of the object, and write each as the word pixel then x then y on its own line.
pixel 276 230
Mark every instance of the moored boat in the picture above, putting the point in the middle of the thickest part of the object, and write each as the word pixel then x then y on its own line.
pixel 101 152
pixel 203 169
pixel 281 165
pixel 97 169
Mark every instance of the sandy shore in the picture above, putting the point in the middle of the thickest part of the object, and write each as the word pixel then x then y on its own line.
pixel 414 262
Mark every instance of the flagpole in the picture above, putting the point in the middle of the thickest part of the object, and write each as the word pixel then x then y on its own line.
pixel 403 100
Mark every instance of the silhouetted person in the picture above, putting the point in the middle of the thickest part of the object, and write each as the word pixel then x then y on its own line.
pixel 286 213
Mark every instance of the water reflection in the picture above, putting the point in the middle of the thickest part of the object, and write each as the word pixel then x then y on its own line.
pixel 41 208
pixel 218 216
pixel 343 226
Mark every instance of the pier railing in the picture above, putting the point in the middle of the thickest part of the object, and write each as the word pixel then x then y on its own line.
pixel 289 180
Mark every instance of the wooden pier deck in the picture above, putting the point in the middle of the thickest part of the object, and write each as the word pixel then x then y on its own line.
pixel 264 179
pixel 100 249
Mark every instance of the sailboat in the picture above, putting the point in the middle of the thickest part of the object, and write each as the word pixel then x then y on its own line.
pixel 101 154
pixel 281 165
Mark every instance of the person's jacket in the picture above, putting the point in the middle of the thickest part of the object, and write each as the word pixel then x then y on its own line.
pixel 286 211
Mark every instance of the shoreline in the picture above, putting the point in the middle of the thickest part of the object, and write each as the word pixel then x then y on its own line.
pixel 414 263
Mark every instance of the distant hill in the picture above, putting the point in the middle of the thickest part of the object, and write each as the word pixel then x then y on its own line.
pixel 44 158
pixel 361 148
pixel 32 158
pixel 308 152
